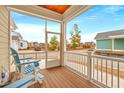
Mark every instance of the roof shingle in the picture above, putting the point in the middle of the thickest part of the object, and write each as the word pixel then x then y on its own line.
pixel 105 35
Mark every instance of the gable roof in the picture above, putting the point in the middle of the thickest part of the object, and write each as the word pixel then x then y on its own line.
pixel 106 35
pixel 15 35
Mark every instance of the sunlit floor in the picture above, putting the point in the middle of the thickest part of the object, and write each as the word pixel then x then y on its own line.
pixel 61 77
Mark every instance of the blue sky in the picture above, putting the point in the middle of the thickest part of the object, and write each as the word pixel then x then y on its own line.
pixel 32 29
pixel 100 18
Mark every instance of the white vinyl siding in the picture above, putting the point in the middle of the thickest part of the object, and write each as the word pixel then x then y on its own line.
pixel 4 38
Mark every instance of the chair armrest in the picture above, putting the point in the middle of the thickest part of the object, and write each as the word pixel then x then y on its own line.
pixel 29 62
pixel 26 58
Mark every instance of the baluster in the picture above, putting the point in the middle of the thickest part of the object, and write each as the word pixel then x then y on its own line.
pixel 72 60
pixel 65 60
pixel 93 62
pixel 82 63
pixel 111 73
pixel 79 63
pixel 101 70
pixel 97 69
pixel 118 81
pixel 84 66
pixel 76 62
pixel 23 55
pixel 35 54
pixel 106 73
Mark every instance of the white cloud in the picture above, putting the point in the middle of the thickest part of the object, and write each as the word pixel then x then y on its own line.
pixel 92 17
pixel 112 8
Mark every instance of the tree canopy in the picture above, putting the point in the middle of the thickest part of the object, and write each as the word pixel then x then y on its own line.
pixel 75 36
pixel 53 45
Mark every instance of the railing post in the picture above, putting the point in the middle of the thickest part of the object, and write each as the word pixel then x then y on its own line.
pixel 36 53
pixel 89 65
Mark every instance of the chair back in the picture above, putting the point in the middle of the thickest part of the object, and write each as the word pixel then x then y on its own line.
pixel 16 57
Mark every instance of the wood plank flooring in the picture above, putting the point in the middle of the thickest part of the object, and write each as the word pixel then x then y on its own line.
pixel 61 77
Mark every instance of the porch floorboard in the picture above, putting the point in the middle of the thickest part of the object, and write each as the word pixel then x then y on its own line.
pixel 61 77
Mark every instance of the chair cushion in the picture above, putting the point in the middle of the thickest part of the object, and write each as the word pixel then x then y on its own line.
pixel 36 64
pixel 24 82
pixel 28 69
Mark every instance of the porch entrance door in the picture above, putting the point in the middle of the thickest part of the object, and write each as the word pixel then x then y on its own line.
pixel 53 49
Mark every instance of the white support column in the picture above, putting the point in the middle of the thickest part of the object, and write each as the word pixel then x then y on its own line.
pixel 9 39
pixel 112 44
pixel 89 65
pixel 63 43
pixel 46 44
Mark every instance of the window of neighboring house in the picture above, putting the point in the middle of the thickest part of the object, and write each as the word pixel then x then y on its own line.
pixel 21 44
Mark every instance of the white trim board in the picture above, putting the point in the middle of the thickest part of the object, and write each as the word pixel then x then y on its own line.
pixel 104 39
pixel 118 50
pixel 37 12
pixel 40 12
pixel 49 32
pixel 104 49
pixel 116 36
pixel 109 49
pixel 74 11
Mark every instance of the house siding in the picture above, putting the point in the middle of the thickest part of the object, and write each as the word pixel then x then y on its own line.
pixel 119 44
pixel 104 44
pixel 4 39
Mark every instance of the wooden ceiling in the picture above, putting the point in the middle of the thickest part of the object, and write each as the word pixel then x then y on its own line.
pixel 56 8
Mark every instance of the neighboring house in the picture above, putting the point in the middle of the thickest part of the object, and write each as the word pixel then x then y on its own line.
pixel 37 46
pixel 31 46
pixel 23 44
pixel 14 37
pixel 112 41
pixel 15 40
pixel 43 46
pixel 34 46
pixel 89 45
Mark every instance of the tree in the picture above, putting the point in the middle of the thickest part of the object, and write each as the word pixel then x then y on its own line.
pixel 75 37
pixel 53 45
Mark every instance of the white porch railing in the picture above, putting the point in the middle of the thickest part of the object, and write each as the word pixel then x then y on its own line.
pixel 77 62
pixel 53 58
pixel 105 71
pixel 39 55
pixel 33 55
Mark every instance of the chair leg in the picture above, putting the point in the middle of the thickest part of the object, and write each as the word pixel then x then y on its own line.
pixel 40 81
